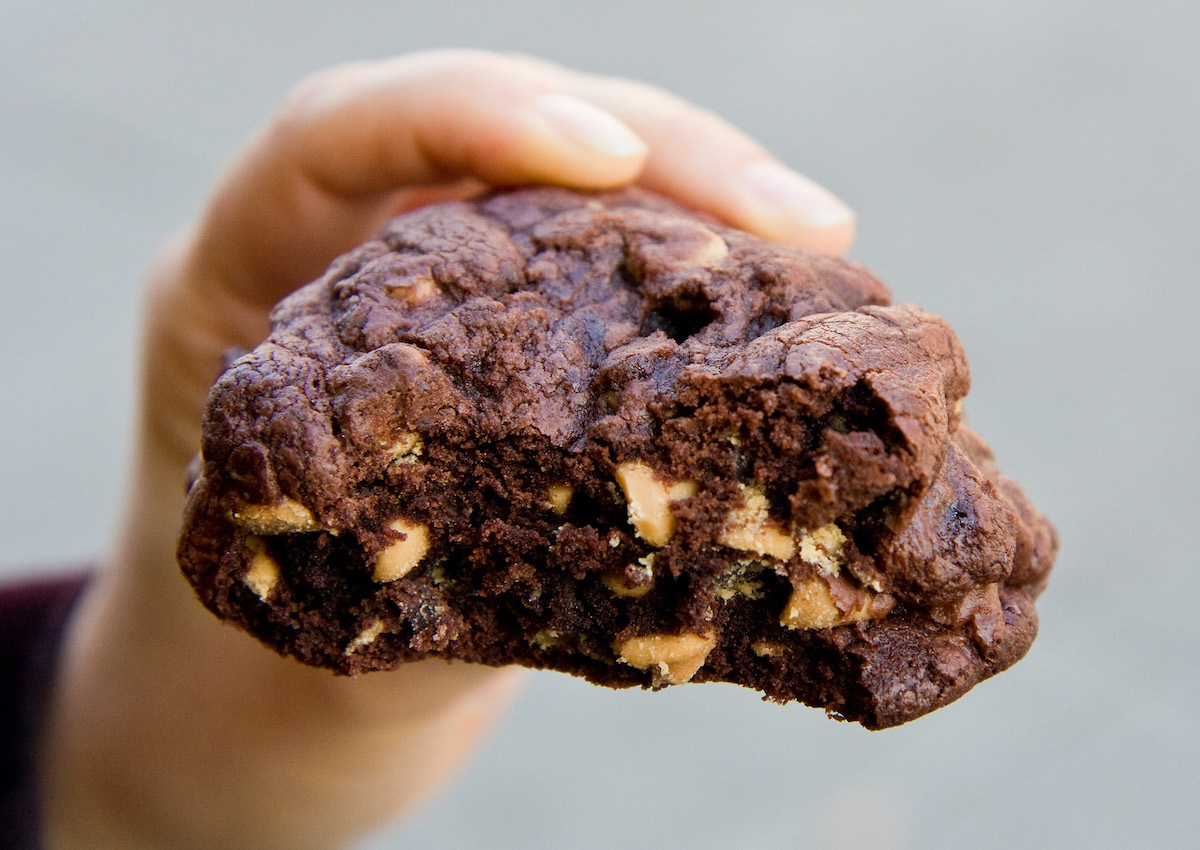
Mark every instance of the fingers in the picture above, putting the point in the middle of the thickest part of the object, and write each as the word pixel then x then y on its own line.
pixel 350 144
pixel 701 160
pixel 325 173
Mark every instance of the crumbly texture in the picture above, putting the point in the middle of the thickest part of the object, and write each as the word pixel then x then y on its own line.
pixel 599 434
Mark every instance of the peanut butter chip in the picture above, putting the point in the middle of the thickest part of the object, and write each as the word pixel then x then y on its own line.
pixel 824 547
pixel 366 637
pixel 741 580
pixel 263 573
pixel 407 448
pixel 674 659
pixel 283 517
pixel 750 528
pixel 649 501
pixel 558 496
pixel 399 558
pixel 687 245
pixel 811 606
pixel 708 251
pixel 415 290
pixel 621 585
pixel 546 639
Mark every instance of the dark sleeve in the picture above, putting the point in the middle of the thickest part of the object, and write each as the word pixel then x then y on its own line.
pixel 33 616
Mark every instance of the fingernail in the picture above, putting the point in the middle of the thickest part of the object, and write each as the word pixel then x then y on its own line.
pixel 775 185
pixel 589 126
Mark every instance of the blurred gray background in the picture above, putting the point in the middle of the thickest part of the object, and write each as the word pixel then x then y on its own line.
pixel 1029 169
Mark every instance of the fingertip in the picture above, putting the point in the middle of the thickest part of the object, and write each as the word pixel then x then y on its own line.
pixel 595 131
pixel 837 240
pixel 514 128
pixel 565 140
pixel 781 204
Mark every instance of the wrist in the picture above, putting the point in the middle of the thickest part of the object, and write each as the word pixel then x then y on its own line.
pixel 171 729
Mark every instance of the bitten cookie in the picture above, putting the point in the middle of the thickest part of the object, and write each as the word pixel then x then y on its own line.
pixel 598 434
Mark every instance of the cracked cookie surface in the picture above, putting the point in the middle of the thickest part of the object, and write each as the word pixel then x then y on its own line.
pixel 599 434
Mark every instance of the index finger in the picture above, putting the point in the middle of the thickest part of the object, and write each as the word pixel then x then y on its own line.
pixel 700 159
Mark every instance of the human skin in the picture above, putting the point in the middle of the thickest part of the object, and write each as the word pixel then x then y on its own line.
pixel 169 729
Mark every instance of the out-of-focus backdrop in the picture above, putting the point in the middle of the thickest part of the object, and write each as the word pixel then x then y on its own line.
pixel 1029 169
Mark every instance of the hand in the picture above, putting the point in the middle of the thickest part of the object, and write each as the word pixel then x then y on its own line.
pixel 171 729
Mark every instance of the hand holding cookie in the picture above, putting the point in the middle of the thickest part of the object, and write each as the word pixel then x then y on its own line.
pixel 170 728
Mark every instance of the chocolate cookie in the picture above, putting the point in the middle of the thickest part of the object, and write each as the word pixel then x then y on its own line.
pixel 602 435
